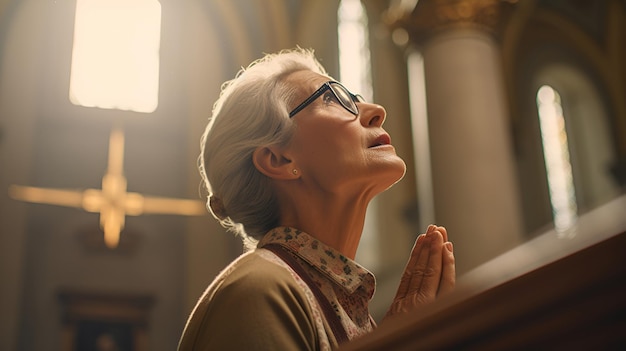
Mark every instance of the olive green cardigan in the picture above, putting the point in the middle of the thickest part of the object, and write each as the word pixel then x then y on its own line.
pixel 254 304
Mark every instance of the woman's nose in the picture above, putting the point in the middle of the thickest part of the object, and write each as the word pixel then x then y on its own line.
pixel 372 114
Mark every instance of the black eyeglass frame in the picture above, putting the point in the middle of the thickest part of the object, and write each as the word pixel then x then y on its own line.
pixel 329 86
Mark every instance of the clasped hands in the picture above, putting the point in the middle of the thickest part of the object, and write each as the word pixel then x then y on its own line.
pixel 429 273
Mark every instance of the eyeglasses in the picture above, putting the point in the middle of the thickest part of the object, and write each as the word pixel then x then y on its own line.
pixel 345 98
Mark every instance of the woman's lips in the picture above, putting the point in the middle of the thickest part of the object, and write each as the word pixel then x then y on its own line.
pixel 383 139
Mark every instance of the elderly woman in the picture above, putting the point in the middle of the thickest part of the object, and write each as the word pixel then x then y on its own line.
pixel 291 159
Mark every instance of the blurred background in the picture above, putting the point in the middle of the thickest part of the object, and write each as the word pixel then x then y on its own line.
pixel 510 115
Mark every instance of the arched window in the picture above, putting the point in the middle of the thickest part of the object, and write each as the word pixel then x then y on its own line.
pixel 577 142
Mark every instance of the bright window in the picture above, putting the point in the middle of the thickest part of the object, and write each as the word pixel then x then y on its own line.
pixel 115 59
pixel 557 159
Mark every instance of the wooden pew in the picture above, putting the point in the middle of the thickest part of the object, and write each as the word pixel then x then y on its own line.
pixel 550 293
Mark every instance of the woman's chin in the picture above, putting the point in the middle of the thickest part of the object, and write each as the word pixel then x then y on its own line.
pixel 392 174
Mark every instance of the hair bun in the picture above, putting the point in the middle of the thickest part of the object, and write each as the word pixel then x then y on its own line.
pixel 217 207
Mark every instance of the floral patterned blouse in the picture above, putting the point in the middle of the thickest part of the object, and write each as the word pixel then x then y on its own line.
pixel 348 286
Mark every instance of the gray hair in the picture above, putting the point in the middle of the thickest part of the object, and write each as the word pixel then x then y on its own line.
pixel 251 111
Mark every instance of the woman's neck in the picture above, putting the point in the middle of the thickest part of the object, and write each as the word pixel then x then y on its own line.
pixel 335 220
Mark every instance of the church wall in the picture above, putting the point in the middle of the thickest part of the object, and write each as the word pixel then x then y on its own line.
pixel 16 153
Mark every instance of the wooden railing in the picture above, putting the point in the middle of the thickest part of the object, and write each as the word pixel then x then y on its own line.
pixel 552 292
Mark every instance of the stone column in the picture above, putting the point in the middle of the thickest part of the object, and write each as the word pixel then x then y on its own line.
pixel 473 170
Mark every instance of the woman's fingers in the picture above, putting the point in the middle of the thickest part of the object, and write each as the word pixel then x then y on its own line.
pixel 423 271
pixel 406 280
pixel 427 272
pixel 443 232
pixel 417 253
pixel 448 273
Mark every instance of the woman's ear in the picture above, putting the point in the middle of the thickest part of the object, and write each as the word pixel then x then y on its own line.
pixel 271 161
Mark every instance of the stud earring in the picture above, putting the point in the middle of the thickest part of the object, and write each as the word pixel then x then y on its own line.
pixel 294 171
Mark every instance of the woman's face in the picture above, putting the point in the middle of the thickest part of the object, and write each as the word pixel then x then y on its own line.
pixel 336 151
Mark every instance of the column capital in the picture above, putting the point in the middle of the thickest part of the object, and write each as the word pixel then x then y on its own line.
pixel 425 18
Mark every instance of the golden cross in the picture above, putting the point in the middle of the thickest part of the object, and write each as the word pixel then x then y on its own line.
pixel 113 202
